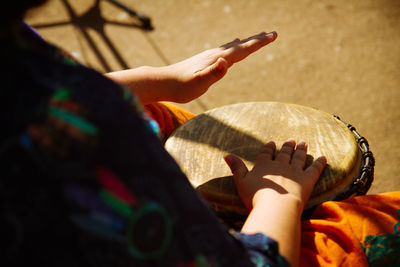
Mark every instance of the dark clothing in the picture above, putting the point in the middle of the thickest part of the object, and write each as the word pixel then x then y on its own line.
pixel 85 180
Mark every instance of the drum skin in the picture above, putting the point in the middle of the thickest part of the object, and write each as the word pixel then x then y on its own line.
pixel 200 144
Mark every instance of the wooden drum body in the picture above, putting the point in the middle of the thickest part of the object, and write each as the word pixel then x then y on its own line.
pixel 242 129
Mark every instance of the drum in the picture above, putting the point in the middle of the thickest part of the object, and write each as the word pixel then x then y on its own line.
pixel 242 129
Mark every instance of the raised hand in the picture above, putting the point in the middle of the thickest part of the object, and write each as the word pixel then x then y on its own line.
pixel 196 74
pixel 188 79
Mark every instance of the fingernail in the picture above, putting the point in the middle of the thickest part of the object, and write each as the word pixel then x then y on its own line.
pixel 291 141
pixel 228 160
pixel 272 34
pixel 323 158
pixel 302 143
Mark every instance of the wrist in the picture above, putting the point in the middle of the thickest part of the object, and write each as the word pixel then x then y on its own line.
pixel 161 84
pixel 149 84
pixel 269 196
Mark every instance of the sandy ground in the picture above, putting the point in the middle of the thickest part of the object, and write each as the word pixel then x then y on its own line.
pixel 342 57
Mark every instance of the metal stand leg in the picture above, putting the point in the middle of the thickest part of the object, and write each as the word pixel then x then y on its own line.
pixel 143 18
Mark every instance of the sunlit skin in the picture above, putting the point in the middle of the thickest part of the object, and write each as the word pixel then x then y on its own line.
pixel 276 191
pixel 188 79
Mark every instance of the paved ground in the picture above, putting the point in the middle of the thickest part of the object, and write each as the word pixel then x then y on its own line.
pixel 340 56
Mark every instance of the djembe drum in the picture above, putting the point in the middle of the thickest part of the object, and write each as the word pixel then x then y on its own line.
pixel 242 129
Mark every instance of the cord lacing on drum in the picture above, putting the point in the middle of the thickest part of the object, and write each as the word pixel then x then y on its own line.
pixel 363 182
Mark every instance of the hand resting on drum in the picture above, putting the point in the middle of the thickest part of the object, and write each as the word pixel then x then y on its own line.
pixel 283 174
pixel 276 191
pixel 188 79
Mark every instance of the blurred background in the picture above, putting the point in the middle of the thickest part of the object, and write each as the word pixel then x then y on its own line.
pixel 341 56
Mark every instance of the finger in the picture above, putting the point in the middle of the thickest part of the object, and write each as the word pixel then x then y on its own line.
pixel 261 37
pixel 300 155
pixel 285 154
pixel 255 37
pixel 237 166
pixel 236 41
pixel 315 169
pixel 254 43
pixel 238 50
pixel 267 152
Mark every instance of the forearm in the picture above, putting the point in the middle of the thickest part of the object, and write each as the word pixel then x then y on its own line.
pixel 278 217
pixel 149 84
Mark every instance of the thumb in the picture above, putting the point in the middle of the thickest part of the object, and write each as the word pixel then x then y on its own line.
pixel 237 166
pixel 214 72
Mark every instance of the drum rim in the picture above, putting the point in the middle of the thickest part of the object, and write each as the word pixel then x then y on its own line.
pixel 359 180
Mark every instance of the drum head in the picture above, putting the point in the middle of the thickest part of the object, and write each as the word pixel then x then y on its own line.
pixel 242 129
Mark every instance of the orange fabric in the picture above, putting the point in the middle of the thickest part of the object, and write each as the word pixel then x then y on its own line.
pixel 337 231
pixel 168 116
pixel 335 234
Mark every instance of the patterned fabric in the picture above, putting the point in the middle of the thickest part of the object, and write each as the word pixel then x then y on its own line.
pixel 259 245
pixel 384 249
pixel 362 231
pixel 85 180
